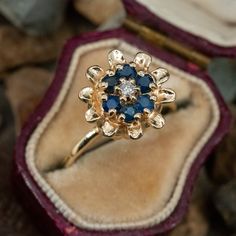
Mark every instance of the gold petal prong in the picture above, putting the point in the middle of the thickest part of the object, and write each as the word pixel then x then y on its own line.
pixel 104 97
pixel 123 99
pixel 153 98
pixel 94 73
pixel 91 115
pixel 119 67
pixel 166 95
pixel 156 120
pixel 132 81
pixel 109 129
pixel 110 72
pixel 138 90
pixel 132 64
pixel 138 116
pixel 142 61
pixel 146 111
pixel 86 94
pixel 103 85
pixel 121 118
pixel 115 57
pixel 135 131
pixel 133 98
pixel 141 73
pixel 112 112
pixel 117 89
pixel 122 80
pixel 161 75
pixel 152 86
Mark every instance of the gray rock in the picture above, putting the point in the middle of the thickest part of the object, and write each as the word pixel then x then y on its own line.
pixel 225 202
pixel 223 166
pixel 89 9
pixel 17 49
pixel 36 17
pixel 223 72
pixel 25 88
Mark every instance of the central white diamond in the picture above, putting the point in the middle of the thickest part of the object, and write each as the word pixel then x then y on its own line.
pixel 127 88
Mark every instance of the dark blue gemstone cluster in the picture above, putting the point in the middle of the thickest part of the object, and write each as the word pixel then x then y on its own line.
pixel 143 99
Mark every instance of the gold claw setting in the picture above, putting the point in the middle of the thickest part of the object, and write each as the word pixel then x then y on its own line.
pixel 126 98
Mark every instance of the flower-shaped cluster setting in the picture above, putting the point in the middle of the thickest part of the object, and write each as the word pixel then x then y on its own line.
pixel 127 98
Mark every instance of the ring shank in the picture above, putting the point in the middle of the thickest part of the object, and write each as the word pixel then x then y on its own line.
pixel 81 146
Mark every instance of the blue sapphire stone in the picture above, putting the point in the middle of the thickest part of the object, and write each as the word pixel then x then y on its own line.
pixel 144 82
pixel 129 112
pixel 143 102
pixel 113 102
pixel 112 82
pixel 127 72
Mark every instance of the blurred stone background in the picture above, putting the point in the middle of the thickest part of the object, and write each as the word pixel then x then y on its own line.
pixel 32 33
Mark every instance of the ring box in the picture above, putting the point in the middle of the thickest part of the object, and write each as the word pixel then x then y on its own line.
pixel 126 187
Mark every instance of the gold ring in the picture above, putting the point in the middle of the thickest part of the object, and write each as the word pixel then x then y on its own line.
pixel 123 101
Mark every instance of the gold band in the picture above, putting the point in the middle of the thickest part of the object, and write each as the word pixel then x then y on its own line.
pixel 81 147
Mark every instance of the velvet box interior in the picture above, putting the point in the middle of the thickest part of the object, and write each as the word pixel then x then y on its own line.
pixel 125 187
